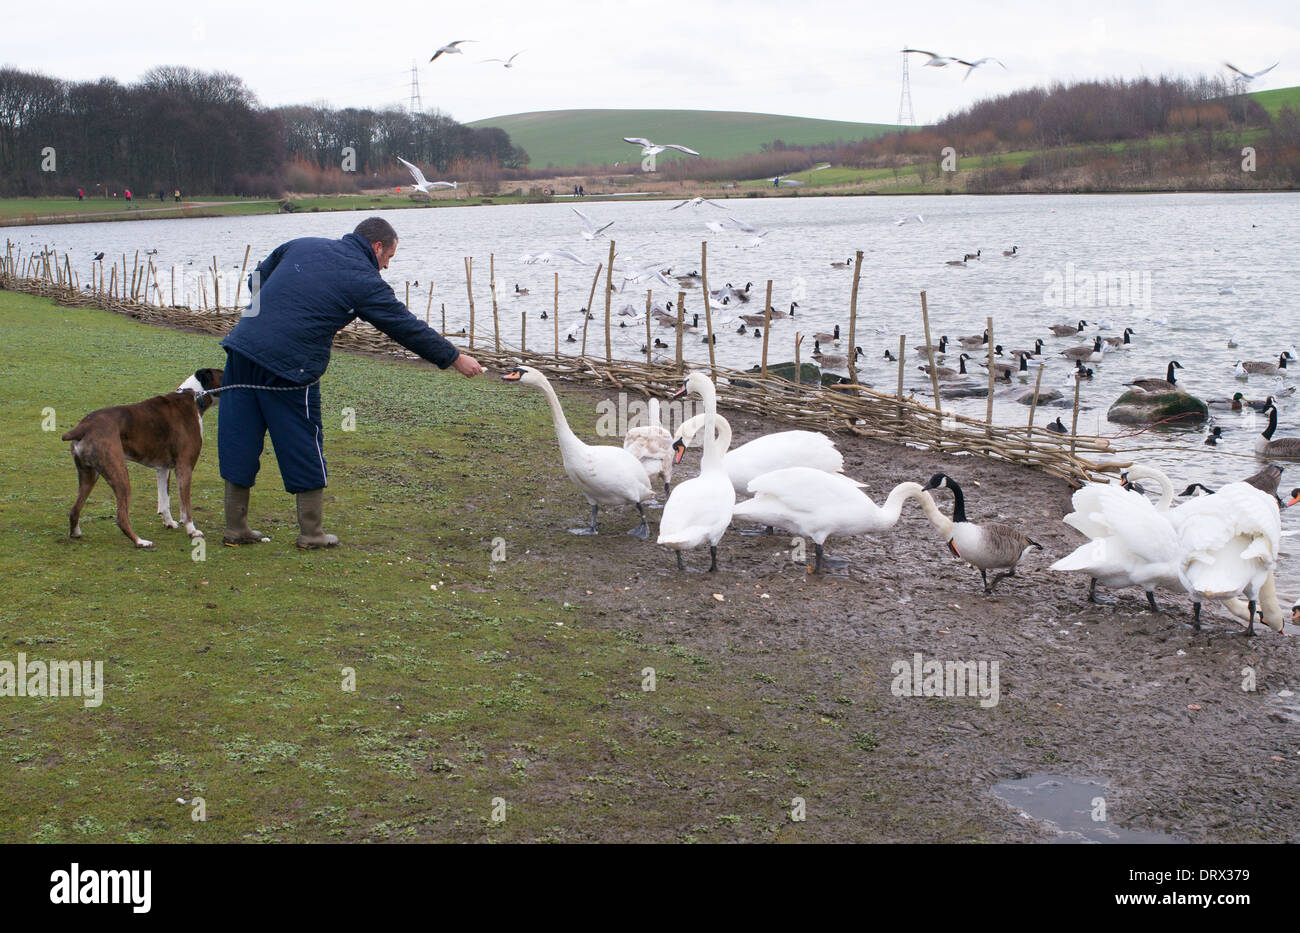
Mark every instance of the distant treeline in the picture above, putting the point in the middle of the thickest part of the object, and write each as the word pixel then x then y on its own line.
pixel 204 132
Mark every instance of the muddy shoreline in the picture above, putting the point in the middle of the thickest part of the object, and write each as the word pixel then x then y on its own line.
pixel 1112 692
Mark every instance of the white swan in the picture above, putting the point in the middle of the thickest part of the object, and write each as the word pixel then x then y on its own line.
pixel 817 505
pixel 1131 542
pixel 764 454
pixel 1229 544
pixel 608 476
pixel 652 445
pixel 699 510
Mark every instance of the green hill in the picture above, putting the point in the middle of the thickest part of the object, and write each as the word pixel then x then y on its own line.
pixel 595 137
pixel 1273 101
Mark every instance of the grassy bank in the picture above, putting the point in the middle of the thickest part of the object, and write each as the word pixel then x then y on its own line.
pixel 224 675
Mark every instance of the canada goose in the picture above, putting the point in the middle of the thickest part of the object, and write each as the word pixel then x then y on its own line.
pixel 1011 252
pixel 1284 448
pixel 939 349
pixel 1057 427
pixel 1158 386
pixel 1036 351
pixel 977 340
pixel 889 356
pixel 1091 354
pixel 688 281
pixel 833 360
pixel 605 475
pixel 985 546
pixel 520 292
pixel 1124 341
pixel 753 320
pixel 705 339
pixel 816 504
pixel 974 255
pixel 780 314
pixel 1256 368
pixel 1215 433
pixel 1004 371
pixel 842 265
pixel 699 510
pixel 947 372
pixel 955 262
pixel 652 444
pixel 1067 330
pixel 828 338
pixel 1266 480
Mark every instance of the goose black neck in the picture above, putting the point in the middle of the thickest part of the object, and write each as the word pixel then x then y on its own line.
pixel 958 503
pixel 1171 380
pixel 1272 424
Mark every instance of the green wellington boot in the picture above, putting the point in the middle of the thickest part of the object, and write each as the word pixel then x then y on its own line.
pixel 310 506
pixel 237 531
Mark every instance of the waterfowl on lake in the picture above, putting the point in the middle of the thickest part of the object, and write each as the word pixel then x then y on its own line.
pixel 1158 386
pixel 1285 448
pixel 1068 330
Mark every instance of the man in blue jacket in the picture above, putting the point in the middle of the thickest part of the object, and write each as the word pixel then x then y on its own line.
pixel 303 294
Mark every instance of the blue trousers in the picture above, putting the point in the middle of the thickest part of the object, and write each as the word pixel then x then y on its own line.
pixel 292 417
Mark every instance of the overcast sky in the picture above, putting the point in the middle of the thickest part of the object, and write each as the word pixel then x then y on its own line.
pixel 813 58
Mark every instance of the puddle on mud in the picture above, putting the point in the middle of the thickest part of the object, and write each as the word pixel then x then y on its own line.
pixel 1066 806
pixel 1286 704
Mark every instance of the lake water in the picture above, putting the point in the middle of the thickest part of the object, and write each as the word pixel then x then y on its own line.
pixel 1201 268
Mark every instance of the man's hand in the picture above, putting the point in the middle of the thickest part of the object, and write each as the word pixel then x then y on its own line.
pixel 466 365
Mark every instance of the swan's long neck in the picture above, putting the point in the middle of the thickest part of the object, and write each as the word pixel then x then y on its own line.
pixel 937 518
pixel 568 440
pixel 893 508
pixel 1166 487
pixel 714 448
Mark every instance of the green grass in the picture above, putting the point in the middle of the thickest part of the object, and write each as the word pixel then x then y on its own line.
pixel 595 137
pixel 224 675
pixel 1276 99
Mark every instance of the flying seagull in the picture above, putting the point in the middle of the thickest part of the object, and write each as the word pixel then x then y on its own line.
pixel 548 255
pixel 971 66
pixel 422 183
pixel 936 61
pixel 1249 77
pixel 450 48
pixel 648 148
pixel 698 202
pixel 589 229
pixel 508 62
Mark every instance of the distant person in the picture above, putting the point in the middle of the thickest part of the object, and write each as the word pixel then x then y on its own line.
pixel 582 192
pixel 176 195
pixel 162 195
pixel 776 182
pixel 81 195
pixel 575 191
pixel 306 291
pixel 128 197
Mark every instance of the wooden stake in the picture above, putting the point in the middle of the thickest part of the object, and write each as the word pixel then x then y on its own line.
pixel 902 358
pixel 523 331
pixel 767 328
pixel 492 287
pixel 648 341
pixel 469 272
pixel 586 312
pixel 1074 422
pixel 555 314
pixel 708 313
pixel 934 376
pixel 238 285
pixel 428 306
pixel 853 320
pixel 988 417
pixel 681 324
pixel 1033 404
pixel 609 297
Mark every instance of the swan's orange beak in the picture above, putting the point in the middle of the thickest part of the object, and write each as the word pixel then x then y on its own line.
pixel 679 393
pixel 512 376
pixel 1293 502
pixel 679 451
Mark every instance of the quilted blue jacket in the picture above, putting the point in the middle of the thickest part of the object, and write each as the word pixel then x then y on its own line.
pixel 310 288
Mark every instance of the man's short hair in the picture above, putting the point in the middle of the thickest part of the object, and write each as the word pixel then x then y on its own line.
pixel 377 230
